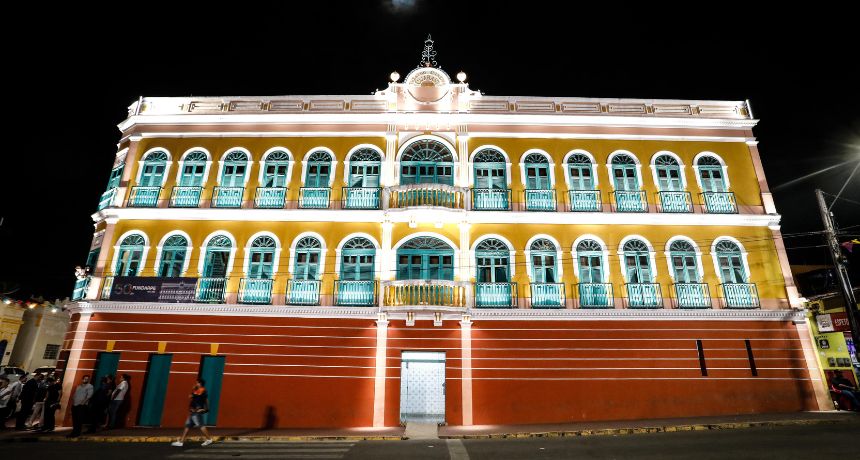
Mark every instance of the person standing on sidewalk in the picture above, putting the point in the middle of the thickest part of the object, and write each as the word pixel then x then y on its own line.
pixel 28 397
pixel 117 398
pixel 80 405
pixel 52 403
pixel 100 402
pixel 5 399
pixel 197 409
pixel 39 405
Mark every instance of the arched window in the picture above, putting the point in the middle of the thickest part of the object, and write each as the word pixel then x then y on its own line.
pixel 637 262
pixel 730 262
pixel 581 173
pixel 589 256
pixel 364 167
pixel 152 171
pixel 234 169
pixel 129 259
pixel 173 255
pixel 261 260
pixel 307 254
pixel 491 183
pixel 357 260
pixel 275 169
pixel 624 174
pixel 668 174
pixel 425 258
pixel 543 254
pixel 685 267
pixel 217 257
pixel 193 169
pixel 318 170
pixel 711 174
pixel 427 161
pixel 492 258
pixel 537 172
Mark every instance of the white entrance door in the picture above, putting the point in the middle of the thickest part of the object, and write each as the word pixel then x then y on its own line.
pixel 422 387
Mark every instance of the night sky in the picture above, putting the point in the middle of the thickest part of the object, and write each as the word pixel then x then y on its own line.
pixel 72 73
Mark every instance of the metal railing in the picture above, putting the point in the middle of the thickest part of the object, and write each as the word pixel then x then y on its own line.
pixel 491 199
pixel 227 197
pixel 547 295
pixel 719 202
pixel 740 295
pixel 107 199
pixel 439 195
pixel 270 197
pixel 692 295
pixel 442 293
pixel 584 200
pixel 303 292
pixel 644 295
pixel 630 201
pixel 255 290
pixel 675 202
pixel 81 286
pixel 144 197
pixel 107 288
pixel 496 295
pixel 210 290
pixel 360 293
pixel 361 197
pixel 595 295
pixel 314 197
pixel 539 200
pixel 185 197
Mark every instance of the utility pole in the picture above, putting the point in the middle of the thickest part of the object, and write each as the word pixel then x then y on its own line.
pixel 841 271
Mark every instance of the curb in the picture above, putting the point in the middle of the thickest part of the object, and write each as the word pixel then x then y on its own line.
pixel 165 439
pixel 651 429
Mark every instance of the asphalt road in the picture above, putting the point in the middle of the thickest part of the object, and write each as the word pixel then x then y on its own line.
pixel 787 442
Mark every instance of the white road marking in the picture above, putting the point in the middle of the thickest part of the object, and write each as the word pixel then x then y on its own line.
pixel 456 450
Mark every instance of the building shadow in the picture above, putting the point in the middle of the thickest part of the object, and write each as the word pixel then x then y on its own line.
pixel 270 418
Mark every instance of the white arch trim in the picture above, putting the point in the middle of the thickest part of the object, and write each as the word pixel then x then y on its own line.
pixel 188 249
pixel 205 171
pixel 471 173
pixel 434 235
pixel 323 250
pixel 512 252
pixel 594 176
pixel 528 253
pixel 668 253
pixel 332 169
pixel 376 258
pixel 230 260
pixel 652 259
pixel 407 142
pixel 167 164
pixel 347 160
pixel 247 258
pixel 551 166
pixel 635 159
pixel 722 162
pixel 604 257
pixel 681 167
pixel 119 242
pixel 262 164
pixel 744 257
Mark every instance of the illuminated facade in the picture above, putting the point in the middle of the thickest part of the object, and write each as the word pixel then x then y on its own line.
pixel 428 252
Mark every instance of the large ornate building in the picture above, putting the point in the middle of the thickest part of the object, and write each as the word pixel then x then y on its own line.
pixel 428 252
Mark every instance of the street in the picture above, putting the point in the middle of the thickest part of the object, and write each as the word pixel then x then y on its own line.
pixel 783 442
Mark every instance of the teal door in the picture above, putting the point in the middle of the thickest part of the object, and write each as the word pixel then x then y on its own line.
pixel 212 372
pixel 106 364
pixel 425 258
pixel 154 390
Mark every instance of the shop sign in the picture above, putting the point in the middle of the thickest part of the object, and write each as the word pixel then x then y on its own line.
pixel 823 343
pixel 149 289
pixel 833 322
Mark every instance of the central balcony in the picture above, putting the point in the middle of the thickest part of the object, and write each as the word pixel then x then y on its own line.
pixel 303 292
pixel 436 195
pixel 185 197
pixel 692 295
pixel 496 295
pixel 107 199
pixel 675 202
pixel 357 293
pixel 595 295
pixel 540 200
pixel 719 202
pixel 630 201
pixel 491 199
pixel 644 295
pixel 211 290
pixel 584 200
pixel 270 197
pixel 425 293
pixel 740 295
pixel 144 197
pixel 255 291
pixel 361 197
pixel 314 197
pixel 227 197
pixel 547 295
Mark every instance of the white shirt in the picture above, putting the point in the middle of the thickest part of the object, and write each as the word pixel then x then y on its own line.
pixel 83 393
pixel 16 386
pixel 5 394
pixel 121 390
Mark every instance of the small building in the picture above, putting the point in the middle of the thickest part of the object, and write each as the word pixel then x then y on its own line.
pixel 40 338
pixel 10 322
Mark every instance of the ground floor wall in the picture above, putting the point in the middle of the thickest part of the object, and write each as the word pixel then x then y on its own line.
pixel 283 371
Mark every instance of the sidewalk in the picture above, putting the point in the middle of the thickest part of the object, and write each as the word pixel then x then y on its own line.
pixel 452 432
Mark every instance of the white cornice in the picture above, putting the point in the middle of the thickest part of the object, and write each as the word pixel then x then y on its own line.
pixel 223 310
pixel 639 314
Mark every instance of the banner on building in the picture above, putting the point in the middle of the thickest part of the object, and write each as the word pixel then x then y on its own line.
pixel 833 322
pixel 143 289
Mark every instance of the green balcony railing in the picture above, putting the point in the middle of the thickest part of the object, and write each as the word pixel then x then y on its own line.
pixel 740 295
pixel 491 199
pixel 360 293
pixel 227 197
pixel 81 286
pixel 675 202
pixel 185 197
pixel 547 295
pixel 584 200
pixel 692 295
pixel 496 295
pixel 270 197
pixel 361 197
pixel 540 200
pixel 303 292
pixel 255 291
pixel 644 295
pixel 210 290
pixel 719 202
pixel 595 295
pixel 107 199
pixel 144 197
pixel 630 201
pixel 314 197
pixel 107 288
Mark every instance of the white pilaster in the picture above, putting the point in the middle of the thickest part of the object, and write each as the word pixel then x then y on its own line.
pixel 463 154
pixel 387 178
pixel 72 373
pixel 466 361
pixel 379 381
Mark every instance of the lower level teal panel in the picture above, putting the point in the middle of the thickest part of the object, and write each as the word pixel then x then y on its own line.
pixel 154 390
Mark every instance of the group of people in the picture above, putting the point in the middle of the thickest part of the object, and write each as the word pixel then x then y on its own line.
pixel 841 386
pixel 32 400
pixel 98 406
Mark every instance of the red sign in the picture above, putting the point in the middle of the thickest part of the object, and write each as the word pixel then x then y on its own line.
pixel 833 322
